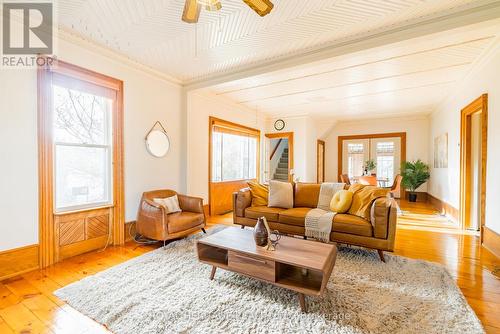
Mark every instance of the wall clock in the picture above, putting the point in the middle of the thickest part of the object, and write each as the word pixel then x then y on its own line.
pixel 279 124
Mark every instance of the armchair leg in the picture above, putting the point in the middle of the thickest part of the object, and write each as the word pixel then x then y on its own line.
pixel 381 255
pixel 204 230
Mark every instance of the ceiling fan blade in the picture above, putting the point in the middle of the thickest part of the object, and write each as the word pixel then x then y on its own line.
pixel 191 11
pixel 261 7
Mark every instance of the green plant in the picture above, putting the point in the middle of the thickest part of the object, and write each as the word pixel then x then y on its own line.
pixel 370 165
pixel 414 173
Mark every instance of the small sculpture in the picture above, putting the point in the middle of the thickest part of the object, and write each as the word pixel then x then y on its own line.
pixel 273 237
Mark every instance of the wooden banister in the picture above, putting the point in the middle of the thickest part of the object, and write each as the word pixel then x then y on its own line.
pixel 275 148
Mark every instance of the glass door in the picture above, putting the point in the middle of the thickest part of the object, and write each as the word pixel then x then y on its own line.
pixel 386 152
pixel 355 152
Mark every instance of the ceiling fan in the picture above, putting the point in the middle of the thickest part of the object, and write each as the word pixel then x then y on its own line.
pixel 192 8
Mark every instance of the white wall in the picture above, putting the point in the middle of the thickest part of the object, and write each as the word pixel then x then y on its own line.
pixel 445 183
pixel 146 99
pixel 304 145
pixel 417 136
pixel 202 105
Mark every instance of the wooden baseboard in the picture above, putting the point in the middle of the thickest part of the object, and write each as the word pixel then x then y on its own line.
pixel 18 261
pixel 443 207
pixel 491 241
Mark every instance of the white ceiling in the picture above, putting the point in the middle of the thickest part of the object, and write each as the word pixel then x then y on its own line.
pixel 151 31
pixel 402 78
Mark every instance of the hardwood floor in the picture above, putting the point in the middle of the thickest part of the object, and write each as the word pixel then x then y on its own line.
pixel 28 306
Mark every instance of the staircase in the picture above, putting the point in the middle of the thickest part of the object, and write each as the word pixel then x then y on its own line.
pixel 281 172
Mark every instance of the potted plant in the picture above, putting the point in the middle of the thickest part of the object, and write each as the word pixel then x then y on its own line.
pixel 370 166
pixel 414 173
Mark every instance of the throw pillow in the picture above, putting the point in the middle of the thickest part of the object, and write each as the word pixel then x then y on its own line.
pixel 171 204
pixel 341 201
pixel 363 199
pixel 260 193
pixel 280 194
pixel 326 192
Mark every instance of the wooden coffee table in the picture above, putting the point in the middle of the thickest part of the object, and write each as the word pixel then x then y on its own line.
pixel 300 265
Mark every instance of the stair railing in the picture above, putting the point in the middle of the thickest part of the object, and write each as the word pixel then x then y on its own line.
pixel 275 149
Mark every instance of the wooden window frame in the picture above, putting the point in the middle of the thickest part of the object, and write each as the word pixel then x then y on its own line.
pixel 231 128
pixel 401 135
pixel 479 104
pixel 47 233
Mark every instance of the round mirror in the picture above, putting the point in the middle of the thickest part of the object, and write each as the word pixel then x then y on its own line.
pixel 157 143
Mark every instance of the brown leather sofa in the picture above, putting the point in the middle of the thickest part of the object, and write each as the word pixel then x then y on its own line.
pixel 378 233
pixel 154 223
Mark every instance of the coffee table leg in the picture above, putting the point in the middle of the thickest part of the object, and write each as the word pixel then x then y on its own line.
pixel 302 302
pixel 212 274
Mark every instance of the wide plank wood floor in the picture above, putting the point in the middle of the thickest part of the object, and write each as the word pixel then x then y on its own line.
pixel 28 306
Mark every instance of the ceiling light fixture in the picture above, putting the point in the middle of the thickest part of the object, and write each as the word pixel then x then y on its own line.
pixel 192 8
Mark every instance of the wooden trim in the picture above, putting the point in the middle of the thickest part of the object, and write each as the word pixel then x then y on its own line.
pixel 443 207
pixel 320 146
pixel 491 240
pixel 478 105
pixel 341 139
pixel 47 251
pixel 18 261
pixel 289 136
pixel 214 121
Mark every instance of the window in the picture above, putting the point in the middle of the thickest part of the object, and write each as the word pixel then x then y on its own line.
pixel 385 160
pixel 82 130
pixel 234 155
pixel 355 159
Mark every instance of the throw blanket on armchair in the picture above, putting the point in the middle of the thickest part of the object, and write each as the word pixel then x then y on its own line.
pixel 318 223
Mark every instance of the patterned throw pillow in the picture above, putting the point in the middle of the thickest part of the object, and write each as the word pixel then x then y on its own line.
pixel 280 194
pixel 171 204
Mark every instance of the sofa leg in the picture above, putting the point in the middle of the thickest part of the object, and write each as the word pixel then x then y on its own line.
pixel 381 255
pixel 204 230
pixel 305 238
pixel 242 226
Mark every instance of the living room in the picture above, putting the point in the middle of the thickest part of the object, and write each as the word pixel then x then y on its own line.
pixel 175 163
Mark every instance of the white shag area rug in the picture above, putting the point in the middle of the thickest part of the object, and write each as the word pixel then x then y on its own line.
pixel 169 291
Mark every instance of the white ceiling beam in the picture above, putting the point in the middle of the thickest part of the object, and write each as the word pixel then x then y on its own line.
pixel 417 28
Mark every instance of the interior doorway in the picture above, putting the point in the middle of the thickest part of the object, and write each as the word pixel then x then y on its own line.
pixel 279 157
pixel 473 143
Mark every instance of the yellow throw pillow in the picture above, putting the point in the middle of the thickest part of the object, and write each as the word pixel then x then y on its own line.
pixel 341 201
pixel 363 198
pixel 260 193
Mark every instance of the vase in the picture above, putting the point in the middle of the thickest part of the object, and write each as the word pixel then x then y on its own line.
pixel 260 233
pixel 412 197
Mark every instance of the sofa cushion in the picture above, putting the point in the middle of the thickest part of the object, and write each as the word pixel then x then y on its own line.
pixel 260 193
pixel 255 212
pixel 345 223
pixel 306 195
pixel 181 221
pixel 295 216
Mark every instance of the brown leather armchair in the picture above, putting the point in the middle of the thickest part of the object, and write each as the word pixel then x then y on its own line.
pixel 153 222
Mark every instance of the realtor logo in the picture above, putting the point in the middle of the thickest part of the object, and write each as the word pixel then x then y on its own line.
pixel 27 28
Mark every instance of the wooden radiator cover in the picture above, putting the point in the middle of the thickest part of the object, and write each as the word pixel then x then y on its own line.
pixel 81 232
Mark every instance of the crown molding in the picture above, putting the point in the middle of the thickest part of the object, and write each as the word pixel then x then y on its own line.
pixel 85 43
